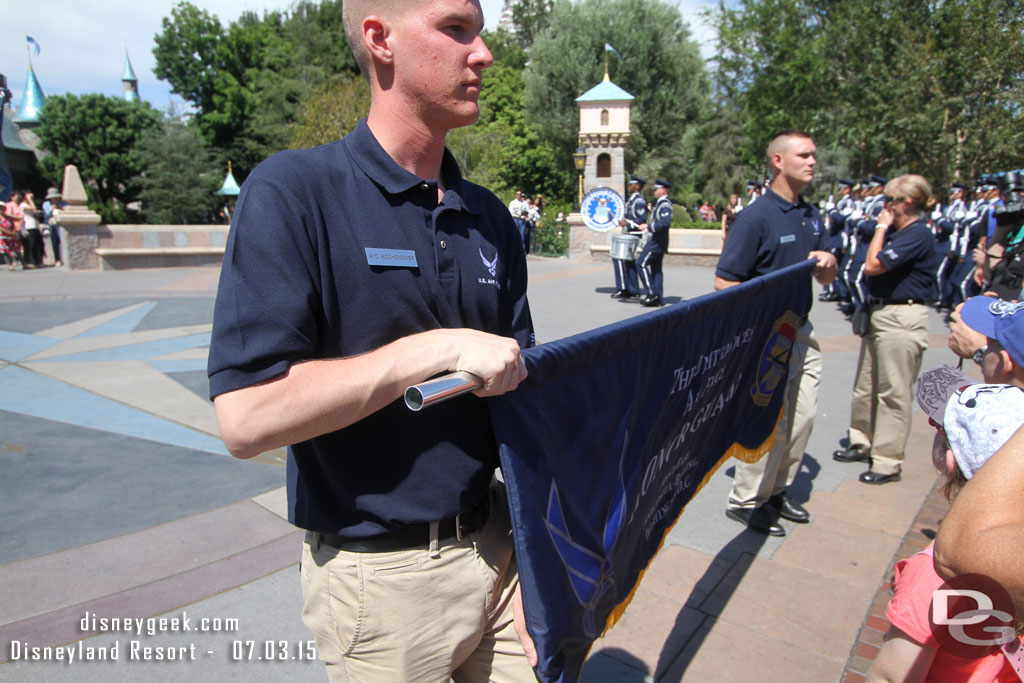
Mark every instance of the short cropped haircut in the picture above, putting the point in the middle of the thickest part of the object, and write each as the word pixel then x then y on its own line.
pixel 780 143
pixel 352 14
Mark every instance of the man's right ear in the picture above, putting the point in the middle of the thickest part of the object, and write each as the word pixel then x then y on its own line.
pixel 377 39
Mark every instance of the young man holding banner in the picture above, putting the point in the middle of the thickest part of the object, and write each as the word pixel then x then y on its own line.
pixel 352 271
pixel 777 231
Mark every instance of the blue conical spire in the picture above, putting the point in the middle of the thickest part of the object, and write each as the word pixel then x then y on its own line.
pixel 31 105
pixel 129 73
pixel 230 186
pixel 129 83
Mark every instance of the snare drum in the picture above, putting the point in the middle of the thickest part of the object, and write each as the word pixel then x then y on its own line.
pixel 623 247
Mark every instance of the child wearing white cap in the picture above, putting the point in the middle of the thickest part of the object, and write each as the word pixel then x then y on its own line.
pixel 972 422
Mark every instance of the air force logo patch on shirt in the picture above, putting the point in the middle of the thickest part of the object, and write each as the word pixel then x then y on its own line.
pixel 400 258
pixel 786 239
pixel 492 267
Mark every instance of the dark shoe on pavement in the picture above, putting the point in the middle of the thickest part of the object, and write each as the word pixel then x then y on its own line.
pixel 787 508
pixel 872 477
pixel 851 454
pixel 756 519
pixel 651 300
pixel 621 294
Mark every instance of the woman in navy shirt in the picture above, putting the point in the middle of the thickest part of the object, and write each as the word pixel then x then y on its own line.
pixel 900 265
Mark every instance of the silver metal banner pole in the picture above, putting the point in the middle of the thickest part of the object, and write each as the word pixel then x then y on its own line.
pixel 424 394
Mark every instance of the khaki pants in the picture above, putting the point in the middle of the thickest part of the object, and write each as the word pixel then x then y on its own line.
pixel 754 483
pixel 417 615
pixel 883 394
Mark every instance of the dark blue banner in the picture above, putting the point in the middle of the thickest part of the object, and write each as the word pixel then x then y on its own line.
pixel 616 429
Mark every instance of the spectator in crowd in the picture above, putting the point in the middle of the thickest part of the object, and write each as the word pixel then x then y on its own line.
pixel 31 231
pixel 52 207
pixel 900 264
pixel 972 422
pixel 10 240
pixel 16 215
pixel 707 212
pixel 520 210
pixel 729 214
pixel 780 229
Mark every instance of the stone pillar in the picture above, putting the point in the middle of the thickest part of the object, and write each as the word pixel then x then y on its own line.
pixel 78 245
pixel 580 239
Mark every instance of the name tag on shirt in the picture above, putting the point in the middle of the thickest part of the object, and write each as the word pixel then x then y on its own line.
pixel 786 239
pixel 400 258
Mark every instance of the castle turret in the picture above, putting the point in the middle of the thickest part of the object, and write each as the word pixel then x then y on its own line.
pixel 30 107
pixel 129 83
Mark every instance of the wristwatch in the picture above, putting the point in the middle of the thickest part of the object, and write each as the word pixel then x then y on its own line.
pixel 980 354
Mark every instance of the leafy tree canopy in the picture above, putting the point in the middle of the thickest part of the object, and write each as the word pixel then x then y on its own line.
pixel 661 67
pixel 248 80
pixel 180 176
pixel 98 134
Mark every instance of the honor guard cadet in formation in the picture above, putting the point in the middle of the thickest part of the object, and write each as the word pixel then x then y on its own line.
pixel 946 225
pixel 649 261
pixel 627 285
pixel 838 238
pixel 971 233
pixel 862 226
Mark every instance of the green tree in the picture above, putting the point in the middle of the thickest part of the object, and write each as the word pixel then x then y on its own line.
pixel 331 112
pixel 530 17
pixel 248 80
pixel 661 68
pixel 99 135
pixel 179 178
pixel 937 88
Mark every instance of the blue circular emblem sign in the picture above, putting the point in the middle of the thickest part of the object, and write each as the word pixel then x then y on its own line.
pixel 602 208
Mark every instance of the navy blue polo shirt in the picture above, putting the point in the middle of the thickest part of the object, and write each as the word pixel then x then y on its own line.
pixel 911 261
pixel 768 235
pixel 336 251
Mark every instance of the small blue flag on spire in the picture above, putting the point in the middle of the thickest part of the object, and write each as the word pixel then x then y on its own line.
pixel 32 41
pixel 609 48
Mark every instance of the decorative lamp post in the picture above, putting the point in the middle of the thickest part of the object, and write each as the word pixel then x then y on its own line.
pixel 579 157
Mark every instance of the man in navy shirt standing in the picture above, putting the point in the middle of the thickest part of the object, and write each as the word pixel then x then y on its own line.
pixel 352 271
pixel 779 230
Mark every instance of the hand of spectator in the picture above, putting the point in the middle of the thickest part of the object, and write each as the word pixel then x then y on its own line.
pixel 979 256
pixel 519 622
pixel 963 341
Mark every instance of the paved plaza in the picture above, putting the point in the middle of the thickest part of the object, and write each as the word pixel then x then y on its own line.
pixel 118 498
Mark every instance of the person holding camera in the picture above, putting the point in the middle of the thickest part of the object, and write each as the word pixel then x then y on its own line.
pixel 900 264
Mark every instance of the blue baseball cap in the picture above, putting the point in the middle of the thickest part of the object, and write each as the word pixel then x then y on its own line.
pixel 999 320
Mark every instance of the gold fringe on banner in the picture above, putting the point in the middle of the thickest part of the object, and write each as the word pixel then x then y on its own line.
pixel 747 455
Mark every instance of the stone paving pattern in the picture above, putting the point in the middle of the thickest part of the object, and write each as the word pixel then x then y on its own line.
pixel 117 498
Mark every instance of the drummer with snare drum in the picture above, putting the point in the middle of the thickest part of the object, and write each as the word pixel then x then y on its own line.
pixel 627 285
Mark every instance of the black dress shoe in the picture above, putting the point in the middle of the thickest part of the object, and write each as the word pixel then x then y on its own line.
pixel 851 454
pixel 756 519
pixel 872 477
pixel 787 508
pixel 621 294
pixel 651 300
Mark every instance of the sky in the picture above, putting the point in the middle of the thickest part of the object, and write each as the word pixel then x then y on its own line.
pixel 82 44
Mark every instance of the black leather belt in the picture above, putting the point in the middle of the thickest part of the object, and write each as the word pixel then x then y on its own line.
pixel 415 535
pixel 896 302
